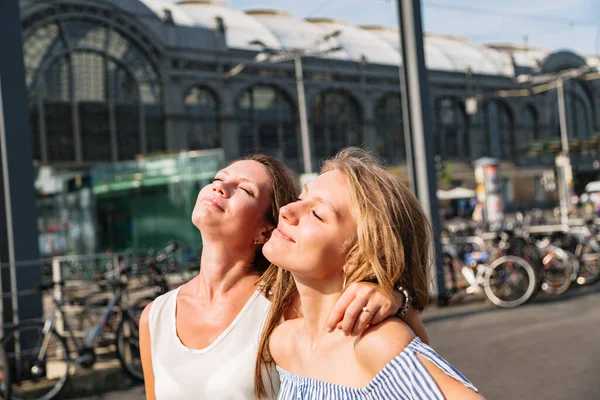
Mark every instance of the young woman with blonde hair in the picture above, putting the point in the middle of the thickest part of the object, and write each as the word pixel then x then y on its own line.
pixel 354 223
pixel 200 341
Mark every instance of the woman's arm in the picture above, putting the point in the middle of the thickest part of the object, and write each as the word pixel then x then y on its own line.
pixel 349 316
pixel 146 353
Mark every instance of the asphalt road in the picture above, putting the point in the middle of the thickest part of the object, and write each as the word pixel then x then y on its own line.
pixel 548 350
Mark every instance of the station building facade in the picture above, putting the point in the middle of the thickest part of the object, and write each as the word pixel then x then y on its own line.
pixel 113 82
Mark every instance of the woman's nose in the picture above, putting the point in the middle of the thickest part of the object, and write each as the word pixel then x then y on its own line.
pixel 289 214
pixel 220 189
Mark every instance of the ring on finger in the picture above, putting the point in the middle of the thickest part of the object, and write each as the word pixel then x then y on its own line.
pixel 369 311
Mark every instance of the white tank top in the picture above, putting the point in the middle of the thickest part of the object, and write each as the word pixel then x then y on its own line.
pixel 224 370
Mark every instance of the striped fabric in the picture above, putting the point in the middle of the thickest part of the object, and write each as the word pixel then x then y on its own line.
pixel 405 377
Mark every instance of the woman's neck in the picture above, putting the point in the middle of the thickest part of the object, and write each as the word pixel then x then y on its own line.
pixel 317 301
pixel 223 269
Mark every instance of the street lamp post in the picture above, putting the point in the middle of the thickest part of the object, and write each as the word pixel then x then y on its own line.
pixel 562 115
pixel 306 153
pixel 276 56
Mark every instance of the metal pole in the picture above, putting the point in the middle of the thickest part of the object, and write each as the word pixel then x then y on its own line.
pixel 9 214
pixel 565 163
pixel 417 114
pixel 17 202
pixel 306 154
pixel 562 114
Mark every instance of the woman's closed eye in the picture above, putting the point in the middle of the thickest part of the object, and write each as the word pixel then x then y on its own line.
pixel 248 192
pixel 314 214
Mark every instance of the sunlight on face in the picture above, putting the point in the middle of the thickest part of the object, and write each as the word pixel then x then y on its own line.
pixel 312 233
pixel 234 205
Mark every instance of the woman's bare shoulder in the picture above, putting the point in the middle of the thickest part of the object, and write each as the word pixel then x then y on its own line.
pixel 381 343
pixel 281 341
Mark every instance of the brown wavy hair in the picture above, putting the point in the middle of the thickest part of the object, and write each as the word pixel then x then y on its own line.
pixel 391 245
pixel 284 190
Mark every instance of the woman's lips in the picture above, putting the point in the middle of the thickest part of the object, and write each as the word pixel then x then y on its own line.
pixel 279 232
pixel 213 202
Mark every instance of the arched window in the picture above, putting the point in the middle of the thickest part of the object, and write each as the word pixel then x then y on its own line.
pixel 202 108
pixel 451 130
pixel 268 124
pixel 390 129
pixel 95 94
pixel 336 123
pixel 498 136
pixel 578 109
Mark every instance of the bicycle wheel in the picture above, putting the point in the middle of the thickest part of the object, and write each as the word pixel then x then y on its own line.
pixel 589 266
pixel 510 281
pixel 128 340
pixel 5 382
pixel 558 270
pixel 39 361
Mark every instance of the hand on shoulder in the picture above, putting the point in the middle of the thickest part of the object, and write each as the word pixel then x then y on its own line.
pixel 381 343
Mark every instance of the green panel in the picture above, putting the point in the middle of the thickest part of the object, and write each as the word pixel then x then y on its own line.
pixel 148 203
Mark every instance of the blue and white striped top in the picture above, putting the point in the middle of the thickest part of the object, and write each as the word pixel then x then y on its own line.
pixel 404 377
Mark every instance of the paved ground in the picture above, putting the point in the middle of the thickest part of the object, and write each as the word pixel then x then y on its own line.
pixel 547 350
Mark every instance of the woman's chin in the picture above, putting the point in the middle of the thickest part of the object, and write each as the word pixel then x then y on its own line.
pixel 206 222
pixel 270 252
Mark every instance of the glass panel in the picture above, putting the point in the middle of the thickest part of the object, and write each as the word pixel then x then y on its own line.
pixel 336 123
pixel 493 130
pixel 128 131
pixel 203 128
pixel 84 34
pixel 155 130
pixel 200 102
pixel 123 85
pixel 290 140
pixel 203 134
pixel 57 82
pixel 267 135
pixel 390 129
pixel 506 132
pixel 117 45
pixel 38 47
pixel 580 126
pixel 266 112
pixel 529 124
pixel 246 138
pixel 89 76
pixel 59 130
pixel 95 131
pixel 34 121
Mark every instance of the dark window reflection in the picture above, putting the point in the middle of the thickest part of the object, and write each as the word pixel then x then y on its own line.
pixel 336 123
pixel 268 124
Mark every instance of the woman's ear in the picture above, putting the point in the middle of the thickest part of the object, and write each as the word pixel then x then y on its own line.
pixel 265 235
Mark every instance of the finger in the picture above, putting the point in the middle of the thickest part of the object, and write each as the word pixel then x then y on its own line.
pixel 352 314
pixel 339 325
pixel 365 319
pixel 339 309
pixel 382 313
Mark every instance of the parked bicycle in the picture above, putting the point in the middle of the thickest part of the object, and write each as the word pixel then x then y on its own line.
pixel 127 335
pixel 508 273
pixel 42 354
